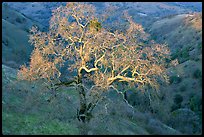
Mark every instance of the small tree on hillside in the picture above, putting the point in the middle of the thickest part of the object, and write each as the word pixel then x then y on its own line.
pixel 102 57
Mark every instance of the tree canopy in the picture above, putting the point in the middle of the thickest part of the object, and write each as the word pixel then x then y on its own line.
pixel 78 35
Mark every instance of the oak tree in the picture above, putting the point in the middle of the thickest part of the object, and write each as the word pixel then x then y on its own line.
pixel 103 57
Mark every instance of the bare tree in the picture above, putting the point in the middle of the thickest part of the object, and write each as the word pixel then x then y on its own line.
pixel 106 58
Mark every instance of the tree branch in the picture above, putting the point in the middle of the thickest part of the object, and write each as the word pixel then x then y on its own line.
pixel 124 69
pixel 67 83
pixel 122 78
pixel 122 95
pixel 96 62
pixel 78 21
pixel 87 70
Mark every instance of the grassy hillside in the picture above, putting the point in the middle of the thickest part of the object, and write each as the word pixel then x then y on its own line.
pixel 178 104
pixel 183 34
pixel 179 31
pixel 15 27
pixel 15 47
pixel 18 19
pixel 39 11
pixel 27 111
pixel 142 12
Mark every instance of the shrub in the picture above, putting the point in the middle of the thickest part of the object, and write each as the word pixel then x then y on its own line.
pixel 177 102
pixel 175 55
pixel 175 107
pixel 195 103
pixel 175 79
pixel 197 74
pixel 199 46
pixel 186 121
pixel 185 53
pixel 178 99
pixel 168 60
pixel 200 82
pixel 182 55
pixel 183 88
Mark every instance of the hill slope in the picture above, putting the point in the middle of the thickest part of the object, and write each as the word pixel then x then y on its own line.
pixel 15 47
pixel 183 95
pixel 183 34
pixel 142 12
pixel 27 111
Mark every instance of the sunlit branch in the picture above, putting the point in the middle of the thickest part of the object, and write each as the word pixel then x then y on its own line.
pixel 82 26
pixel 105 70
pixel 87 70
pixel 113 66
pixel 111 86
pixel 127 79
pixel 96 62
pixel 124 69
pixel 83 32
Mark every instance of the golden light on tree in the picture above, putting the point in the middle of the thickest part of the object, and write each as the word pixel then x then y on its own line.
pixel 103 57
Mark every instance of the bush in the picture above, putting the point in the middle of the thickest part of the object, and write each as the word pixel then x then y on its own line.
pixel 185 121
pixel 177 102
pixel 200 82
pixel 175 107
pixel 182 55
pixel 197 74
pixel 167 60
pixel 183 88
pixel 175 79
pixel 195 103
pixel 175 55
pixel 185 54
pixel 199 46
pixel 178 99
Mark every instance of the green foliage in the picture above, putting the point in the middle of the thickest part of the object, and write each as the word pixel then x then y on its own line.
pixel 185 120
pixel 183 88
pixel 178 99
pixel 20 124
pixel 175 79
pixel 58 128
pixel 175 107
pixel 199 46
pixel 168 60
pixel 95 24
pixel 175 55
pixel 182 55
pixel 200 82
pixel 195 103
pixel 197 74
pixel 177 102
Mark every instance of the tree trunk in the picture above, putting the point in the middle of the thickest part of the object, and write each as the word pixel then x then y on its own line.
pixel 82 113
pixel 83 106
